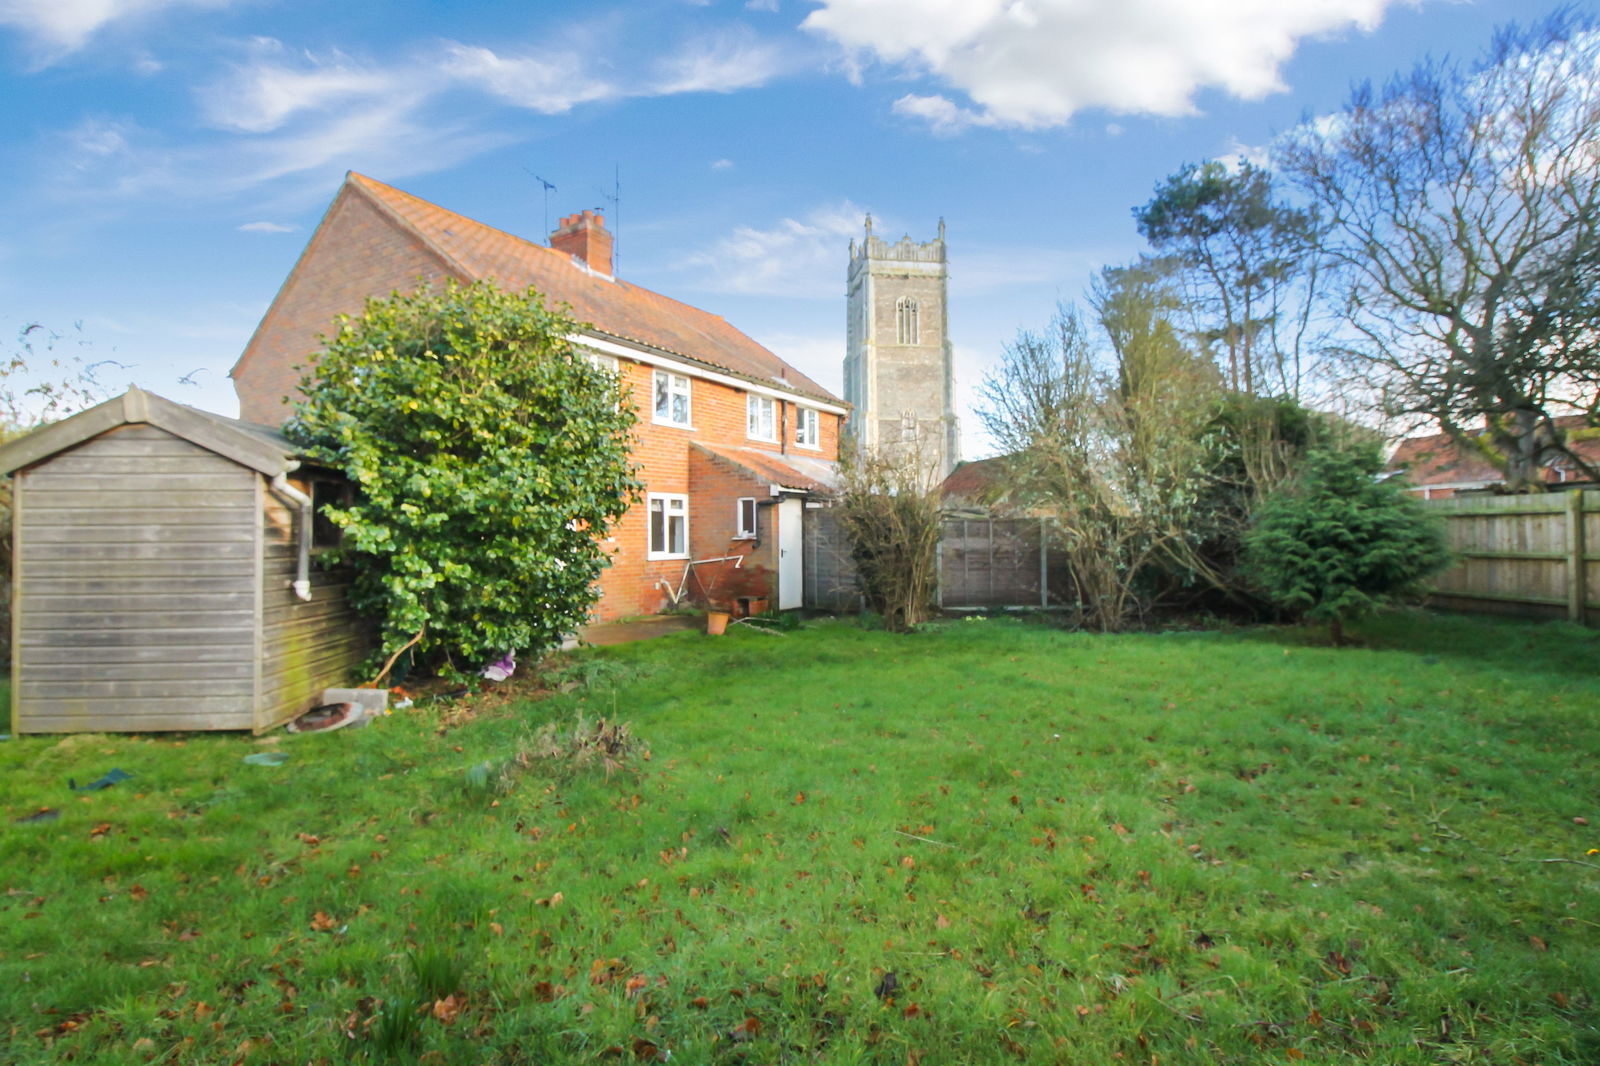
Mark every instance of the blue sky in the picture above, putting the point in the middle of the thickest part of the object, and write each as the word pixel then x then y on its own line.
pixel 165 161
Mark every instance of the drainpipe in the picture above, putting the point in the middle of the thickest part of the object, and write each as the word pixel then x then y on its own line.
pixel 302 571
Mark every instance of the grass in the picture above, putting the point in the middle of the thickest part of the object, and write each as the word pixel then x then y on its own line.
pixel 1195 847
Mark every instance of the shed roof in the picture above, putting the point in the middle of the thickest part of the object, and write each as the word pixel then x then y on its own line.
pixel 789 471
pixel 611 306
pixel 261 448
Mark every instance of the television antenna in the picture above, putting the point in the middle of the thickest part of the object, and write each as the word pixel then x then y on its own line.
pixel 548 189
pixel 614 198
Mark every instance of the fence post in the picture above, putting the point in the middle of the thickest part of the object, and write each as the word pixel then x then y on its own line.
pixel 1044 568
pixel 1577 571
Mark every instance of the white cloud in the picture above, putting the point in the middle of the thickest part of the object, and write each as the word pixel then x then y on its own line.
pixel 266 227
pixel 721 164
pixel 940 113
pixel 548 84
pixel 1238 153
pixel 59 27
pixel 720 64
pixel 1036 63
pixel 281 114
pixel 802 257
pixel 761 5
pixel 263 94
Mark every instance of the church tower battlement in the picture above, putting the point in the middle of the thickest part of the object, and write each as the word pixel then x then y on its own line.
pixel 898 364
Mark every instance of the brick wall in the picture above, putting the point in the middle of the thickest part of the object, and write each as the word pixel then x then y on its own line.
pixel 669 463
pixel 357 252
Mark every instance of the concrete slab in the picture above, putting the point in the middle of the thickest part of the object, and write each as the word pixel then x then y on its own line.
pixel 605 633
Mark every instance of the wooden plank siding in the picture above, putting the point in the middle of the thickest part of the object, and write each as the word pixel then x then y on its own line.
pixel 305 645
pixel 134 587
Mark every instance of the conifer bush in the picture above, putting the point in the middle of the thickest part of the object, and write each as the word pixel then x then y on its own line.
pixel 1335 542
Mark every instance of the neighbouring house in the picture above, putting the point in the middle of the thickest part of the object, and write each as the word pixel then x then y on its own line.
pixel 162 574
pixel 732 441
pixel 1437 467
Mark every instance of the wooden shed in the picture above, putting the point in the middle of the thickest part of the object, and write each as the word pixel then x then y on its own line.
pixel 162 575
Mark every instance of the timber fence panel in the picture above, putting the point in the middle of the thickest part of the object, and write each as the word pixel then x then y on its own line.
pixel 828 577
pixel 1533 556
pixel 993 562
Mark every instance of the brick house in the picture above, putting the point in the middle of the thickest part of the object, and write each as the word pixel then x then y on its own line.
pixel 731 443
pixel 1436 467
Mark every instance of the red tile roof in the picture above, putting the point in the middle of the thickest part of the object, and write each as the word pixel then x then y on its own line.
pixel 785 471
pixel 1437 460
pixel 974 482
pixel 612 307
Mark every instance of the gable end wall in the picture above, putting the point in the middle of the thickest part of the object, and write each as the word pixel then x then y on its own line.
pixel 358 251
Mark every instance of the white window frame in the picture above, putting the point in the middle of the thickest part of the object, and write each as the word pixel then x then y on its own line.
pixel 666 500
pixel 807 427
pixel 747 531
pixel 677 385
pixel 759 409
pixel 601 361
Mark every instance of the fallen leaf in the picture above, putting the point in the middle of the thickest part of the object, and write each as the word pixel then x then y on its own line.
pixel 447 1009
pixel 1538 944
pixel 700 1003
pixel 322 923
pixel 645 1051
pixel 139 893
pixel 941 922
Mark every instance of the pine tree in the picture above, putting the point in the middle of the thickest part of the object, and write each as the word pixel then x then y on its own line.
pixel 1336 542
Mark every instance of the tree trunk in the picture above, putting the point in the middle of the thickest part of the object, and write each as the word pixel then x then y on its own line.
pixel 1336 631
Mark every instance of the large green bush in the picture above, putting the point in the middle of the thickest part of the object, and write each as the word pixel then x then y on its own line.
pixel 1335 542
pixel 488 455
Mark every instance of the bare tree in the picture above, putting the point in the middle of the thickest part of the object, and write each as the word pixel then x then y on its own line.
pixel 891 512
pixel 1113 456
pixel 1465 210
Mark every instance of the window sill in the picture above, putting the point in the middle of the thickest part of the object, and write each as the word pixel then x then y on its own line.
pixel 672 425
pixel 665 556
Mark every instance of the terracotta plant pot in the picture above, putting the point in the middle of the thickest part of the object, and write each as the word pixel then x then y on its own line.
pixel 717 622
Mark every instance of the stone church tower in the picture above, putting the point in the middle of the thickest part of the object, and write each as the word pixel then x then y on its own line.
pixel 898 364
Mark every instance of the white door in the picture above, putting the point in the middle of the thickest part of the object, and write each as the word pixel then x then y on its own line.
pixel 791 512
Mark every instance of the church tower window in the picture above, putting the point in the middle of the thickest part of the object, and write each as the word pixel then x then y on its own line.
pixel 908 328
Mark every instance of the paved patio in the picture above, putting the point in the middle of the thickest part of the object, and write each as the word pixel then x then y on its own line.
pixel 605 633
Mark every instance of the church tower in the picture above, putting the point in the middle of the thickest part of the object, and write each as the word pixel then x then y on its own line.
pixel 898 372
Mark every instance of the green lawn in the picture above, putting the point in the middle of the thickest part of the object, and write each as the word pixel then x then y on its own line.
pixel 1193 847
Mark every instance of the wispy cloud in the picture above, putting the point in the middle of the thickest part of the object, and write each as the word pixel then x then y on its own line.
pixel 723 63
pixel 277 113
pixel 57 28
pixel 266 227
pixel 794 257
pixel 549 84
pixel 1035 63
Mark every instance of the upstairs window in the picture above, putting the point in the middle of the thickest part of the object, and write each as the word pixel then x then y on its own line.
pixel 806 431
pixel 907 327
pixel 669 526
pixel 746 518
pixel 761 418
pixel 672 399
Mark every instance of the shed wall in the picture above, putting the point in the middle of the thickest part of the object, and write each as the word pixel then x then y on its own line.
pixel 306 645
pixel 135 587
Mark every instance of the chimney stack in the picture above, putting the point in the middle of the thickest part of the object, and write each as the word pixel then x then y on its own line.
pixel 586 238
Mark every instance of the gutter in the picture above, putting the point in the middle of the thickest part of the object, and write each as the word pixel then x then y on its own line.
pixel 302 503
